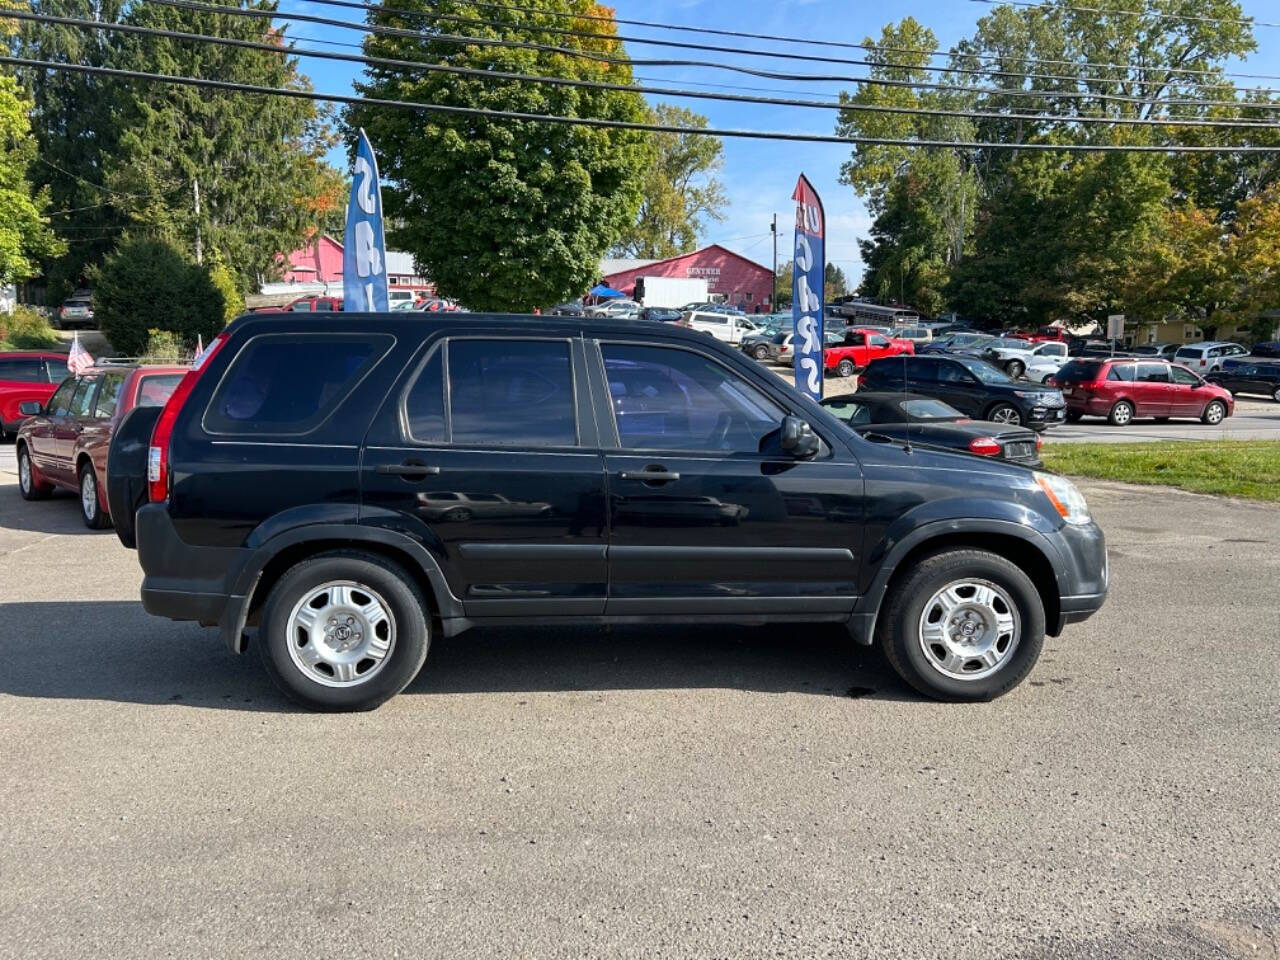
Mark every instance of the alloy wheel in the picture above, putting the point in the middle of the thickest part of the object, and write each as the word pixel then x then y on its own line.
pixel 1006 415
pixel 1214 413
pixel 969 629
pixel 341 634
pixel 24 471
pixel 89 494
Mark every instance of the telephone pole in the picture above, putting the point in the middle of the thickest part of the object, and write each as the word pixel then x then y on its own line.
pixel 195 188
pixel 773 294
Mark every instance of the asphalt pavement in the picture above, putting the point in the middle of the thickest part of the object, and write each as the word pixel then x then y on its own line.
pixel 667 792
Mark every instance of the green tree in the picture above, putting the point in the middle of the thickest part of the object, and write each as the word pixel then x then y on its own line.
pixel 834 283
pixel 506 214
pixel 25 236
pixel 146 285
pixel 782 286
pixel 680 190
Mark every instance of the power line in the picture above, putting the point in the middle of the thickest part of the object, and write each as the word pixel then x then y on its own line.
pixel 631 88
pixel 685 45
pixel 601 122
pixel 736 68
pixel 809 41
pixel 1242 21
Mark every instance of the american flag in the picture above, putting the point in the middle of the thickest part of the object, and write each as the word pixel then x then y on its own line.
pixel 78 361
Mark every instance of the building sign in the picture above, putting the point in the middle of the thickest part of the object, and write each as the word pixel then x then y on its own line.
pixel 364 250
pixel 806 288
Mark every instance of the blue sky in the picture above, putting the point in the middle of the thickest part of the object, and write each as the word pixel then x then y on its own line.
pixel 759 176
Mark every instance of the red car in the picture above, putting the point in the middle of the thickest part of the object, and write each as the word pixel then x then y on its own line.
pixel 24 377
pixel 64 443
pixel 309 304
pixel 1042 335
pixel 859 348
pixel 1122 389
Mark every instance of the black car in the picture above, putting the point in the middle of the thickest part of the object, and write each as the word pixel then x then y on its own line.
pixel 915 419
pixel 570 309
pixel 1241 376
pixel 1160 351
pixel 294 489
pixel 1268 350
pixel 660 314
pixel 972 386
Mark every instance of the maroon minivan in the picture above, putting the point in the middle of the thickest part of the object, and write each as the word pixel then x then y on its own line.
pixel 1122 389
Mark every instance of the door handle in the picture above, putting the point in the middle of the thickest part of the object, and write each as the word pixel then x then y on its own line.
pixel 408 469
pixel 649 476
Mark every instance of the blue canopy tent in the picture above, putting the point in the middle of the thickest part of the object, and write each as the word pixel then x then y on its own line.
pixel 601 292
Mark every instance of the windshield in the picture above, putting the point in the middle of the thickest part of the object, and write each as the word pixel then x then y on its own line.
pixel 984 371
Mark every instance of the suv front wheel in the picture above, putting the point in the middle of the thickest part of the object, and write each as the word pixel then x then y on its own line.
pixel 344 631
pixel 963 625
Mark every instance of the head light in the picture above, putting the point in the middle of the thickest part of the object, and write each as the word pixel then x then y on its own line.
pixel 1065 497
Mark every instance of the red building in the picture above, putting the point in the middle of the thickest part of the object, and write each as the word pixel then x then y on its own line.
pixel 320 261
pixel 731 278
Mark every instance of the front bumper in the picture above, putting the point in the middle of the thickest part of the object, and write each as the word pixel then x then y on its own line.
pixel 1084 576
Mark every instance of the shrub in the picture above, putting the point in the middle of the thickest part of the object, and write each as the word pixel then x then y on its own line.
pixel 225 281
pixel 163 346
pixel 26 329
pixel 149 285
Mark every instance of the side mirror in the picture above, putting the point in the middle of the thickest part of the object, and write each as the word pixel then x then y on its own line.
pixel 798 438
pixel 30 408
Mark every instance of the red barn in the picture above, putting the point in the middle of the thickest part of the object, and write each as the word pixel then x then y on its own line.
pixel 730 277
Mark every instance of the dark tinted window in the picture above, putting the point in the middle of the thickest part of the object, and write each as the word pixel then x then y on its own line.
pixel 424 405
pixel 60 402
pixel 672 399
pixel 953 373
pixel 57 370
pixel 23 369
pixel 1078 371
pixel 289 383
pixel 82 399
pixel 109 395
pixel 1152 373
pixel 156 389
pixel 517 392
pixel 1122 372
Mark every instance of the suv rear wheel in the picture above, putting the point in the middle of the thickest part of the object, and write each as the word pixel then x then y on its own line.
pixel 963 625
pixel 1121 414
pixel 344 631
pixel 1015 368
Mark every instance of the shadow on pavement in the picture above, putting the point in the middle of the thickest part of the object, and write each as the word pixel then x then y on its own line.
pixel 90 650
pixel 59 514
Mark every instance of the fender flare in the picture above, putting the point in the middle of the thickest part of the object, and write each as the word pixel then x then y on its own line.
pixel 245 581
pixel 863 622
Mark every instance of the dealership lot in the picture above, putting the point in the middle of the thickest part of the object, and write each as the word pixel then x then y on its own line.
pixel 672 792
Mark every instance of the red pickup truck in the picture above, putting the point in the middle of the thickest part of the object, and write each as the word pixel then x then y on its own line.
pixel 27 376
pixel 859 348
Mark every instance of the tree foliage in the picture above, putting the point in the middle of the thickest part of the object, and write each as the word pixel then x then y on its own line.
pixel 147 285
pixel 505 214
pixel 25 236
pixel 680 191
pixel 128 155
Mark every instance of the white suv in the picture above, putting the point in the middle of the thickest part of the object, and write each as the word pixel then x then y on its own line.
pixel 729 327
pixel 1207 357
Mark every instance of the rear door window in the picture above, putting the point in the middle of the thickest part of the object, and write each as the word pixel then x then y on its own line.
pixel 288 384
pixel 1152 373
pixel 109 396
pixel 516 392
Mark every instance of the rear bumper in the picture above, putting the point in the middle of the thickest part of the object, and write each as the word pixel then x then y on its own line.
pixel 184 581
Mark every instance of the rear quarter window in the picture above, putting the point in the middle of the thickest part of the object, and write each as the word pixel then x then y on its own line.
pixel 1078 371
pixel 154 390
pixel 288 384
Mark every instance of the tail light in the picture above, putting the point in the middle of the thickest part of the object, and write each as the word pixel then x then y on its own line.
pixel 984 447
pixel 158 452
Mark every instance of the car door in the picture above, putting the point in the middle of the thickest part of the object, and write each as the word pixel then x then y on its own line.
pixel 958 387
pixel 1152 390
pixel 486 451
pixel 1187 393
pixel 67 430
pixel 41 436
pixel 707 514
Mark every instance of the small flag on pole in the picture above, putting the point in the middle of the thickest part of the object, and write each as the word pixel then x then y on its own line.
pixel 78 361
pixel 199 347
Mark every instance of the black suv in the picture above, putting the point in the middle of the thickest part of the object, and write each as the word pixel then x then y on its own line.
pixel 352 484
pixel 972 386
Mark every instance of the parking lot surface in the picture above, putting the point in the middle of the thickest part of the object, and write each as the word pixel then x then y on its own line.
pixel 665 792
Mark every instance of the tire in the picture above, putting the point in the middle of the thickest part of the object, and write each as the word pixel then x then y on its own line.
pixel 28 485
pixel 761 353
pixel 1016 607
pixel 1005 413
pixel 1046 378
pixel 845 368
pixel 1015 368
pixel 1214 413
pixel 1121 414
pixel 366 577
pixel 91 512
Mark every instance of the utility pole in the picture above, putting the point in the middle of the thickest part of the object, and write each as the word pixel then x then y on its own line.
pixel 773 294
pixel 195 188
